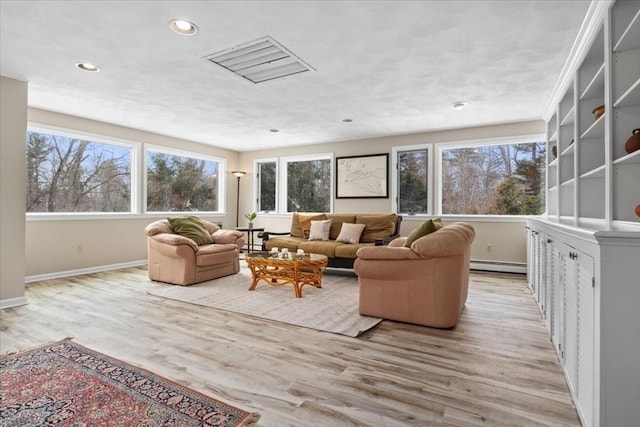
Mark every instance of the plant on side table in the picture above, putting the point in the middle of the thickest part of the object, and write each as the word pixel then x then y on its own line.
pixel 250 217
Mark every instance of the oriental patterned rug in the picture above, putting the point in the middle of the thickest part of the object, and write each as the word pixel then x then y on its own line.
pixel 66 384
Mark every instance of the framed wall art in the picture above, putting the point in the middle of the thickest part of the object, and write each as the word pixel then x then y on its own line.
pixel 362 176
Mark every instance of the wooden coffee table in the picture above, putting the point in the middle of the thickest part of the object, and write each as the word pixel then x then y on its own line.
pixel 281 271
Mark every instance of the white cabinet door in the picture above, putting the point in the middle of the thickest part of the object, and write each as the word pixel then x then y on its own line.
pixel 586 336
pixel 579 328
pixel 552 279
pixel 570 318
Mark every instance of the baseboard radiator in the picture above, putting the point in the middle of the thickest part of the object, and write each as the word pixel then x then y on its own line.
pixel 500 267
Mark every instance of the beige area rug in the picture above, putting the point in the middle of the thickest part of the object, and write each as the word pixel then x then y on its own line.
pixel 333 308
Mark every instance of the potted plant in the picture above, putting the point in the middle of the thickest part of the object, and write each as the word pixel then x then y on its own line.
pixel 250 217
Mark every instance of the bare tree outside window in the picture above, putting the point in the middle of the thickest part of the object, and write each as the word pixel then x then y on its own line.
pixel 181 183
pixel 494 180
pixel 66 174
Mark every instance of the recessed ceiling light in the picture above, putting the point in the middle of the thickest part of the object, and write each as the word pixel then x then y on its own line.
pixel 183 27
pixel 274 130
pixel 347 120
pixel 86 66
pixel 458 105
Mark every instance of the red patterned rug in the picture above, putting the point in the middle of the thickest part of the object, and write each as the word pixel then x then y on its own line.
pixel 67 384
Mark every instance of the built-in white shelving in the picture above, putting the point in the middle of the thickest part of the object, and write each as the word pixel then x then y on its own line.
pixel 584 254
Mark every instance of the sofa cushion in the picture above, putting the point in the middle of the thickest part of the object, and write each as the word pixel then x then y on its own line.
pixel 191 227
pixel 288 242
pixel 320 230
pixel 349 250
pixel 350 233
pixel 216 254
pixel 327 247
pixel 427 227
pixel 377 226
pixel 305 222
pixel 336 223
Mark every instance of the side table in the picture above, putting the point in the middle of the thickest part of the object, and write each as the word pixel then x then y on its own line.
pixel 250 236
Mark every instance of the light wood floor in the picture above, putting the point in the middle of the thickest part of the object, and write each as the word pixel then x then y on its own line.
pixel 496 368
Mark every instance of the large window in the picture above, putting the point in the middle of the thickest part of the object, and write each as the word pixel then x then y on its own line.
pixel 506 179
pixel 308 184
pixel 294 184
pixel 412 180
pixel 67 174
pixel 267 185
pixel 180 182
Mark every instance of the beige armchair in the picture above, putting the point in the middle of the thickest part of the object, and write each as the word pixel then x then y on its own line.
pixel 179 260
pixel 425 284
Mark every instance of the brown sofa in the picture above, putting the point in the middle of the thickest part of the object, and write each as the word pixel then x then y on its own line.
pixel 425 284
pixel 380 227
pixel 179 260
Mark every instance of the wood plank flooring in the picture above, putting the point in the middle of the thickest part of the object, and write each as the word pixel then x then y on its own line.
pixel 496 368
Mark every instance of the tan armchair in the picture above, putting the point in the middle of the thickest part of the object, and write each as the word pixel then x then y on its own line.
pixel 179 260
pixel 425 284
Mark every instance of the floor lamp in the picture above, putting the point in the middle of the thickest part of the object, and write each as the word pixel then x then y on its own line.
pixel 238 174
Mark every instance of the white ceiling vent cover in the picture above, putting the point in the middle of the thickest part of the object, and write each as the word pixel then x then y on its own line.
pixel 260 60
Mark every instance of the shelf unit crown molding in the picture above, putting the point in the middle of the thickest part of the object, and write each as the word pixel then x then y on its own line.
pixel 584 39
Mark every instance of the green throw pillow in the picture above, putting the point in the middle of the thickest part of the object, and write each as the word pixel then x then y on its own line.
pixel 425 228
pixel 191 227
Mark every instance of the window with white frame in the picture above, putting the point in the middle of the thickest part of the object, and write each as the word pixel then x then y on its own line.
pixel 180 182
pixel 294 184
pixel 412 180
pixel 67 173
pixel 266 180
pixel 306 183
pixel 505 178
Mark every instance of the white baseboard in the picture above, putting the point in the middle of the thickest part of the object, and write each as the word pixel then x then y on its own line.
pixel 81 271
pixel 13 302
pixel 502 267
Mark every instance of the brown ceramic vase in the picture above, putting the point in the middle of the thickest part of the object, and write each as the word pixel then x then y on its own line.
pixel 633 143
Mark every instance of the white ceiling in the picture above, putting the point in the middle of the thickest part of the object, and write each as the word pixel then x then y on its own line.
pixel 394 67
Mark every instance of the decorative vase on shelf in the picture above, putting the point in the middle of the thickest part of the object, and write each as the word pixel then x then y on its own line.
pixel 250 225
pixel 633 143
pixel 598 111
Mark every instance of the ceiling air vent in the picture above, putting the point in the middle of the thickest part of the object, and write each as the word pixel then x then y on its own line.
pixel 260 60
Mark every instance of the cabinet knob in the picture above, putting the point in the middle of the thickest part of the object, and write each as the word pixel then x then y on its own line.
pixel 549 241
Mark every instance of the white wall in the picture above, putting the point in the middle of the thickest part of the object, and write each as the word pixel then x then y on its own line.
pixel 13 127
pixel 507 239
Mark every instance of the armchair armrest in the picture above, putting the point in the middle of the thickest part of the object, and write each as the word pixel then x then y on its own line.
pixel 174 240
pixel 386 253
pixel 265 235
pixel 226 236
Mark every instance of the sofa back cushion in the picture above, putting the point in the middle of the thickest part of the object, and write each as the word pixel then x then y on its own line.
pixel 301 223
pixel 377 226
pixel 336 223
